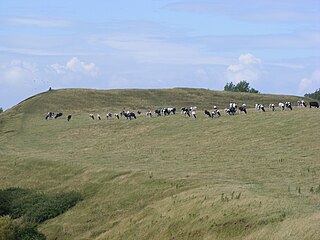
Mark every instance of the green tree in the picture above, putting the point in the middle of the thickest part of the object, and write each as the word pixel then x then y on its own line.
pixel 242 86
pixel 230 87
pixel 1 110
pixel 315 95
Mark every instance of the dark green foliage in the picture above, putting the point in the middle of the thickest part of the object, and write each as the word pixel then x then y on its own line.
pixel 33 206
pixel 1 110
pixel 315 95
pixel 27 231
pixel 242 86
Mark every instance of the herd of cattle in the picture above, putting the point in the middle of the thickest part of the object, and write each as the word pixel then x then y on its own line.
pixel 189 111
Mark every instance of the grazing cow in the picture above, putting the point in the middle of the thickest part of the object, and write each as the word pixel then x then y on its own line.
pixel 301 103
pixel 109 115
pixel 271 106
pixel 58 115
pixel 116 115
pixel 49 115
pixel 281 106
pixel 243 108
pixel 288 105
pixel 194 114
pixel 172 110
pixel 260 107
pixel 314 104
pixel 215 113
pixel 149 114
pixel 186 112
pixel 206 112
pixel 98 116
pixel 138 112
pixel 230 111
pixel 129 115
pixel 69 117
pixel 91 116
pixel 158 112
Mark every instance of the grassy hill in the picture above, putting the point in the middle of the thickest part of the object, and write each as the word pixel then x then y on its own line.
pixel 253 176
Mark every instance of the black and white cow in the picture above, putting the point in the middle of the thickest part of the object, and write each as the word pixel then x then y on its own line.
pixel 271 106
pixel 301 103
pixel 288 105
pixel 91 116
pixel 129 115
pixel 58 115
pixel 281 106
pixel 49 115
pixel 149 114
pixel 243 108
pixel 314 104
pixel 207 113
pixel 259 107
pixel 116 115
pixel 158 112
pixel 109 115
pixel 98 116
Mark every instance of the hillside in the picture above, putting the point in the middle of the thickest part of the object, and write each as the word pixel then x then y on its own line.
pixel 253 176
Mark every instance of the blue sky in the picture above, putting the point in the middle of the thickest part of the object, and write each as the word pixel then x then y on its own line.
pixel 274 45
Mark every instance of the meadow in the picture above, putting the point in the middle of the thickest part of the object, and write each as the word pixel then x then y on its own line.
pixel 254 176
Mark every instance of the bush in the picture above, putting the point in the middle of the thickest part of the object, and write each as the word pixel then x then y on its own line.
pixel 1 110
pixel 35 207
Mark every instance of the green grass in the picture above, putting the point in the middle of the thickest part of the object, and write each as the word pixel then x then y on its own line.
pixel 236 177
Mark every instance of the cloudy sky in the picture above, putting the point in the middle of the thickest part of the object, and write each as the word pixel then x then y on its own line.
pixel 274 45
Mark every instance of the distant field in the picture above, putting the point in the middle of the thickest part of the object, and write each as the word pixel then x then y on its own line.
pixel 254 176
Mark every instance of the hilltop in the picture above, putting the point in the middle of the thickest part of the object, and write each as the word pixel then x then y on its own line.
pixel 253 176
pixel 143 99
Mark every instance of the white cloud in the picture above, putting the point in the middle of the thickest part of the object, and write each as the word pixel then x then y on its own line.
pixel 248 68
pixel 18 73
pixel 76 66
pixel 311 83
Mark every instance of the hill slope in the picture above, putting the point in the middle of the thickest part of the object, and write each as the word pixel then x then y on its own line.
pixel 253 176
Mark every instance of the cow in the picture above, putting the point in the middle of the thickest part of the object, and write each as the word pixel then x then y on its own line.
pixel 129 115
pixel 138 112
pixel 314 104
pixel 91 116
pixel 58 115
pixel 49 115
pixel 149 114
pixel 158 112
pixel 243 108
pixel 69 117
pixel 288 105
pixel 109 115
pixel 116 115
pixel 98 116
pixel 301 103
pixel 230 111
pixel 207 113
pixel 281 106
pixel 271 106
pixel 194 113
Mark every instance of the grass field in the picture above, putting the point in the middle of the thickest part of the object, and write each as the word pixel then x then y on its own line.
pixel 254 176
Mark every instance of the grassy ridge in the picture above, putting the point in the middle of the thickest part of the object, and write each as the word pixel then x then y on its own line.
pixel 236 177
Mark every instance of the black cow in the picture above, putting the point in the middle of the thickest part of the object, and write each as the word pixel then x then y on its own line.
pixel 69 117
pixel 314 104
pixel 58 115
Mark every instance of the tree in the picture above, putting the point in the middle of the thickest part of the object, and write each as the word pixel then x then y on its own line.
pixel 315 95
pixel 1 110
pixel 242 86
pixel 230 87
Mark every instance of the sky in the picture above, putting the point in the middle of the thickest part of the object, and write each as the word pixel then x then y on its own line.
pixel 111 44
